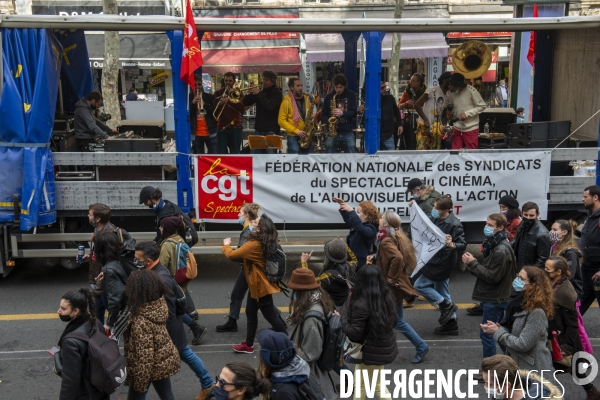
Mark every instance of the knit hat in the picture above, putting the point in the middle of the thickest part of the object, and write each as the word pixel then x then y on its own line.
pixel 171 225
pixel 276 348
pixel 146 193
pixel 336 251
pixel 509 202
pixel 303 279
pixel 413 184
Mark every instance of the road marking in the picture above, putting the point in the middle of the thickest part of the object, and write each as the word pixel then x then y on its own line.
pixel 214 311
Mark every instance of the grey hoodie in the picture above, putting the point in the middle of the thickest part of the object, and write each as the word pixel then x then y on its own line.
pixel 85 123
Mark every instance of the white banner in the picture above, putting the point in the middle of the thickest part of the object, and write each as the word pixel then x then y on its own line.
pixel 300 188
pixel 427 238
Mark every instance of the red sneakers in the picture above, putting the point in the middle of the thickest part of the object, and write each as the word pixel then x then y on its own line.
pixel 243 348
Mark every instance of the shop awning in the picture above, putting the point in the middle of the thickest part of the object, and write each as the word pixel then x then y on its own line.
pixel 284 59
pixel 143 51
pixel 324 47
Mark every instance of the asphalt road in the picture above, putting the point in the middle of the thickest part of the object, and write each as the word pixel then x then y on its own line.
pixel 28 327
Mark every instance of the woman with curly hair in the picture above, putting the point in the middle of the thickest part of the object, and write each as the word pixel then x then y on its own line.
pixel 262 242
pixel 363 228
pixel 151 355
pixel 524 328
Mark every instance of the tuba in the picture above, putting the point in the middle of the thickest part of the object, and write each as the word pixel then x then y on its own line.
pixel 472 59
pixel 333 120
pixel 309 124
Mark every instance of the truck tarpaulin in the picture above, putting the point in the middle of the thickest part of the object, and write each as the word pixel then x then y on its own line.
pixel 301 188
pixel 76 74
pixel 31 60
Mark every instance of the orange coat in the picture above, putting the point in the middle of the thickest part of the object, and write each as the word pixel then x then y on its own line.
pixel 391 263
pixel 512 227
pixel 254 268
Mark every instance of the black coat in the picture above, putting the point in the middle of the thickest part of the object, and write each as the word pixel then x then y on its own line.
pixel 441 265
pixel 170 209
pixel 565 319
pixel 590 241
pixel 115 279
pixel 361 237
pixel 494 275
pixel 576 278
pixel 75 383
pixel 267 103
pixel 390 117
pixel 532 247
pixel 346 101
pixel 174 322
pixel 209 106
pixel 285 391
pixel 355 325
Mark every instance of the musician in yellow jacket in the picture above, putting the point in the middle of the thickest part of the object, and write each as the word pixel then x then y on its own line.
pixel 291 117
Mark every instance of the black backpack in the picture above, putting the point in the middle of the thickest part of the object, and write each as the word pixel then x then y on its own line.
pixel 333 339
pixel 276 265
pixel 107 366
pixel 127 253
pixel 309 389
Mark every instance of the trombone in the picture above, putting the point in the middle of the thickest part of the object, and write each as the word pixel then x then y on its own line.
pixel 234 95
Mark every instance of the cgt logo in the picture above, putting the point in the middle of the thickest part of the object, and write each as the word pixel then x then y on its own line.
pixel 225 185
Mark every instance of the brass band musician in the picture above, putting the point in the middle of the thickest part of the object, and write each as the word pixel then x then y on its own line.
pixel 292 117
pixel 229 122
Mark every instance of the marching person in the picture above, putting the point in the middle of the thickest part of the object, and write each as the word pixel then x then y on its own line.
pixel 363 228
pixel 562 237
pixel 267 103
pixel 147 256
pixel 260 296
pixel 229 123
pixel 468 104
pixel 430 107
pixel 494 276
pixel 532 243
pixel 152 358
pixel 435 275
pixel 292 112
pixel 590 245
pixel 248 213
pixel 509 207
pixel 415 89
pixel 423 194
pixel 87 128
pixel 203 127
pixel 396 258
pixel 239 381
pixel 77 309
pixel 341 104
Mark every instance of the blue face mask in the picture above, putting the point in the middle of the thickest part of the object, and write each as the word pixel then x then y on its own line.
pixel 435 213
pixel 241 221
pixel 220 393
pixel 250 228
pixel 518 284
pixel 488 231
pixel 159 206
pixel 456 91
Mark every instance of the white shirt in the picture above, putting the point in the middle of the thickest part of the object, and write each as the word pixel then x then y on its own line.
pixel 468 101
pixel 504 93
pixel 435 104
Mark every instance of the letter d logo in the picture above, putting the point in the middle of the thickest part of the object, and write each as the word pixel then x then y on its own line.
pixel 579 366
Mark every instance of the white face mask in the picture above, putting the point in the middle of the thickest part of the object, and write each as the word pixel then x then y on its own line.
pixel 491 392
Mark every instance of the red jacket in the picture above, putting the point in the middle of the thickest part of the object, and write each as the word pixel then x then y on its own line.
pixel 512 227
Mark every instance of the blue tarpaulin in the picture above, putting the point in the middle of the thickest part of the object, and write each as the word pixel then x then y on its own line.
pixel 76 74
pixel 32 61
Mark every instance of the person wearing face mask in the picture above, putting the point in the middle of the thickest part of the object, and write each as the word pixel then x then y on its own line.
pixel 562 237
pixel 239 381
pixel 363 228
pixel 532 243
pixel 248 213
pixel 77 308
pixel 413 92
pixel 148 256
pixel 87 128
pixel 152 198
pixel 468 104
pixel 524 327
pixel 565 325
pixel 590 246
pixel 520 384
pixel 422 194
pixel 494 276
pixel 509 207
pixel 435 275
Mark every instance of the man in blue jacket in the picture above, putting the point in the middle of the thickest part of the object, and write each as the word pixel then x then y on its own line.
pixel 341 104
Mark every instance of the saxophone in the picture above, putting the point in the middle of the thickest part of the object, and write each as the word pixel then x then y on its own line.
pixel 333 120
pixel 309 124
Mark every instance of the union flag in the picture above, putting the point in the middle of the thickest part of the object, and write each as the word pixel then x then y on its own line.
pixel 532 38
pixel 191 57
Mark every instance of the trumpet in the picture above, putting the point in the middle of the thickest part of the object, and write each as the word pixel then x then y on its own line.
pixel 200 104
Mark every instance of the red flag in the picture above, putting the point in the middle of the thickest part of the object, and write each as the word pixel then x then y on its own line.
pixel 191 57
pixel 532 38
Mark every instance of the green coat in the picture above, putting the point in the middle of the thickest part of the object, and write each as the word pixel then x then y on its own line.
pixel 426 201
pixel 167 256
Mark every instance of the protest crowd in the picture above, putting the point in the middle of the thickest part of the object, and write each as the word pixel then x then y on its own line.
pixel 533 285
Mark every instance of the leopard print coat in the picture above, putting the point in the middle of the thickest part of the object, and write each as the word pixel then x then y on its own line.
pixel 150 353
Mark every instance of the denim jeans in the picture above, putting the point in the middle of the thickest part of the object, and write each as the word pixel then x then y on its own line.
pixel 101 304
pixel 387 144
pixel 491 312
pixel 196 365
pixel 211 143
pixel 504 103
pixel 162 387
pixel 230 138
pixel 264 151
pixel 347 140
pixel 293 146
pixel 435 292
pixel 404 328
pixel 237 295
pixel 187 319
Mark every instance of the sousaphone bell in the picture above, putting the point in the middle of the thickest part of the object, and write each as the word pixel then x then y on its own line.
pixel 472 59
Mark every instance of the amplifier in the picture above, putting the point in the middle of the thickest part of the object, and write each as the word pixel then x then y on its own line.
pixel 529 131
pixel 133 145
pixel 492 143
pixel 63 141
pixel 559 129
pixel 145 129
pixel 63 124
pixel 517 143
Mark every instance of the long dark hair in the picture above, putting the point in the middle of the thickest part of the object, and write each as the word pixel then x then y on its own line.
pixel 82 300
pixel 106 246
pixel 267 234
pixel 246 377
pixel 371 287
pixel 302 301
pixel 143 286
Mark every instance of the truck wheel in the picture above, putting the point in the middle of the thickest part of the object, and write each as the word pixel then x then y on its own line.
pixel 69 262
